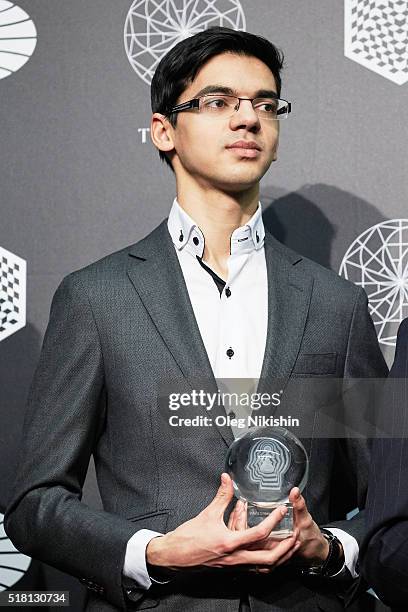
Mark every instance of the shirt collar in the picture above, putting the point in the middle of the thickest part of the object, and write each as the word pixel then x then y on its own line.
pixel 249 237
pixel 185 233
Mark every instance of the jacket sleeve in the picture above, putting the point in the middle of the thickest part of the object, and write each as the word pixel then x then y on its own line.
pixel 364 360
pixel 66 407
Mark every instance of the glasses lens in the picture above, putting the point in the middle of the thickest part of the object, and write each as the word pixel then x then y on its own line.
pixel 271 108
pixel 218 105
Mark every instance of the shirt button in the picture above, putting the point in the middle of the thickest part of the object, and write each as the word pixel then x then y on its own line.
pixel 232 414
pixel 196 240
pixel 228 292
pixel 230 352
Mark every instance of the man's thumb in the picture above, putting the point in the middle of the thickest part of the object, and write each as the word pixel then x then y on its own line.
pixel 225 492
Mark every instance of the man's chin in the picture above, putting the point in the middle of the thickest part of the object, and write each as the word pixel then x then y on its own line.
pixel 236 182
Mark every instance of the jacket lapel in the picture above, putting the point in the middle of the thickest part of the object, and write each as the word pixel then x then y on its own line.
pixel 289 295
pixel 155 272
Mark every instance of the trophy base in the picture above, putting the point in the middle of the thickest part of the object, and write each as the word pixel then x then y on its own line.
pixel 257 513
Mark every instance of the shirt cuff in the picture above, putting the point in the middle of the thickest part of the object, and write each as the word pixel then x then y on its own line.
pixel 135 557
pixel 350 548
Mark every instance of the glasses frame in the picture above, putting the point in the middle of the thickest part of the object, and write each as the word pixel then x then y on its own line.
pixel 195 103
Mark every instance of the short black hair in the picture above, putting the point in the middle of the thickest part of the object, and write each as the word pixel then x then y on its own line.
pixel 178 68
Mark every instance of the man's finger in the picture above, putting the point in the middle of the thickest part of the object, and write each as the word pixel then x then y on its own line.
pixel 233 518
pixel 223 496
pixel 231 521
pixel 297 501
pixel 289 554
pixel 241 520
pixel 300 510
pixel 270 542
pixel 301 514
pixel 260 531
pixel 260 556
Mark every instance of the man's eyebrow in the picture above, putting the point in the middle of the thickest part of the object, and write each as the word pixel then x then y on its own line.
pixel 261 93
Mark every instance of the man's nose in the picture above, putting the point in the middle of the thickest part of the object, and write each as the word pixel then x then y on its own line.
pixel 245 116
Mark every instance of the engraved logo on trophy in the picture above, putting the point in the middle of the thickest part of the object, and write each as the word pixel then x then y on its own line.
pixel 268 462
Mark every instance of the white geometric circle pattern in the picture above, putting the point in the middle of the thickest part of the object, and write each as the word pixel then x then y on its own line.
pixel 153 27
pixel 13 564
pixel 18 38
pixel 378 261
pixel 376 36
pixel 12 293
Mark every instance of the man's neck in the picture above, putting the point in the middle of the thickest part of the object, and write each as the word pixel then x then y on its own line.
pixel 218 214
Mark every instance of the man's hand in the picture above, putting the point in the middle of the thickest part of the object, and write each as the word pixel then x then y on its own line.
pixel 238 521
pixel 314 547
pixel 206 540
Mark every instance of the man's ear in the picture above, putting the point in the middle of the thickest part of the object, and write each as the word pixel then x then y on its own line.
pixel 161 132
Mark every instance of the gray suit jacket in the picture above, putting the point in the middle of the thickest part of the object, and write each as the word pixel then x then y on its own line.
pixel 119 330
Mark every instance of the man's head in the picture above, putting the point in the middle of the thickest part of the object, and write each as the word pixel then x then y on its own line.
pixel 192 143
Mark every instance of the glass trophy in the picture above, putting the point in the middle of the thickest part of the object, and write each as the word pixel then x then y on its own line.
pixel 264 465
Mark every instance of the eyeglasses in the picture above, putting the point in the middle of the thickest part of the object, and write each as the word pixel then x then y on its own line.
pixel 223 106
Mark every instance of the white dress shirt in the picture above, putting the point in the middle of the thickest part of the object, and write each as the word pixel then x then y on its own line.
pixel 233 327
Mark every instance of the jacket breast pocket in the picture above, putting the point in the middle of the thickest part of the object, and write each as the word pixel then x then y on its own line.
pixel 316 364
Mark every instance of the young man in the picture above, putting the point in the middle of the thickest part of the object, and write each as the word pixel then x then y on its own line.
pixel 208 295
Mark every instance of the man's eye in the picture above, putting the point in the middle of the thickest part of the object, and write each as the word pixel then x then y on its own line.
pixel 215 103
pixel 268 107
